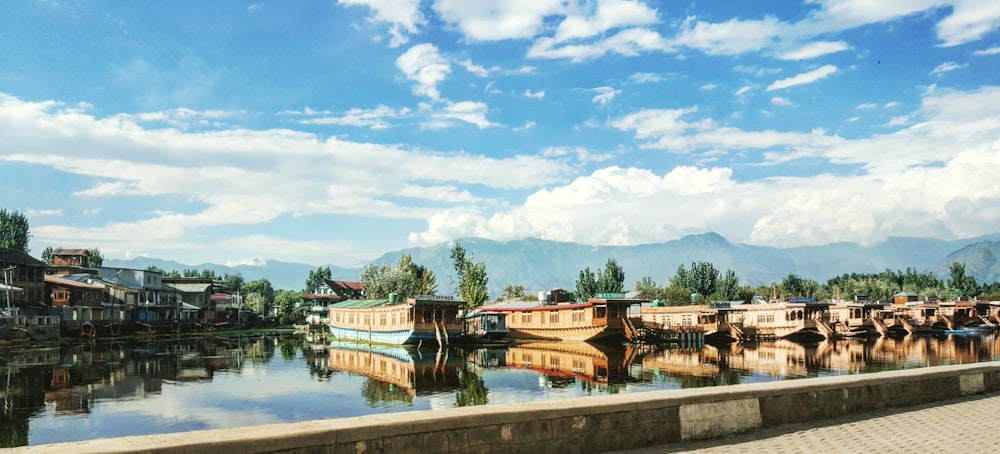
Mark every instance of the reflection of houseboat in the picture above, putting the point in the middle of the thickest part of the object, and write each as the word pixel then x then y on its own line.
pixel 557 318
pixel 562 361
pixel 398 367
pixel 490 325
pixel 432 319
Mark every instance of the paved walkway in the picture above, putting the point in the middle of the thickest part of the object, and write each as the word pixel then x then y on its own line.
pixel 966 425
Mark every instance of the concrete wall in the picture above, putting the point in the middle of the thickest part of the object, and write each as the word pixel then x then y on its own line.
pixel 591 424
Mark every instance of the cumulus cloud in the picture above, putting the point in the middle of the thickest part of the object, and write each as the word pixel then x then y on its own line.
pixel 425 66
pixel 403 16
pixel 913 170
pixel 222 174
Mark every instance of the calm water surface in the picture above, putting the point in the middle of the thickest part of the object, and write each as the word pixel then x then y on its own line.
pixel 136 387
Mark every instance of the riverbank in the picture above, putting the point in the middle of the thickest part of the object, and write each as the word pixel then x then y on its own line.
pixel 591 424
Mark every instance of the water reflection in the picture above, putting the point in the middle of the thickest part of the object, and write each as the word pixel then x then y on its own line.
pixel 106 389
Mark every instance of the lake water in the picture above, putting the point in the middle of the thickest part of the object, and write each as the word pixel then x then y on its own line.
pixel 82 391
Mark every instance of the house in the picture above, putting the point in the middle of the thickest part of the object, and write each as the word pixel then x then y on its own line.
pixel 142 295
pixel 316 305
pixel 24 300
pixel 78 303
pixel 70 261
pixel 71 257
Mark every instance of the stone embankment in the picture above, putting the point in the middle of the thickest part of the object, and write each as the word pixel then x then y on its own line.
pixel 591 424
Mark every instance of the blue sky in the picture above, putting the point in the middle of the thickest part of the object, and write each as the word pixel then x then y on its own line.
pixel 332 132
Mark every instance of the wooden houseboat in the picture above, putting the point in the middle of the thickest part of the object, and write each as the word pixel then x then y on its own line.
pixel 423 319
pixel 486 325
pixel 556 318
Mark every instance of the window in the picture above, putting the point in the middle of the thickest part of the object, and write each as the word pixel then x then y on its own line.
pixel 578 315
pixel 525 317
pixel 553 317
pixel 382 319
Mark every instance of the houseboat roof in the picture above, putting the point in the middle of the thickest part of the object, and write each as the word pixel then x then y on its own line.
pixel 361 304
pixel 533 306
pixel 55 280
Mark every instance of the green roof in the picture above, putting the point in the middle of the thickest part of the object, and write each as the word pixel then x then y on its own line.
pixel 361 304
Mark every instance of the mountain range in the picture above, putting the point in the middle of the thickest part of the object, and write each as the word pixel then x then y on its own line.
pixel 541 264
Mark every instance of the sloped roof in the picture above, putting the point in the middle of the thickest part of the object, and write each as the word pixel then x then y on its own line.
pixel 61 251
pixel 18 257
pixel 54 280
pixel 346 285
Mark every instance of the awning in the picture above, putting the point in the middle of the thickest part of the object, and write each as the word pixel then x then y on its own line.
pixel 5 287
pixel 189 307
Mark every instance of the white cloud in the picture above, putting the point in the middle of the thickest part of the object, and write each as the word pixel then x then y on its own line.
pixel 947 66
pixel 803 78
pixel 968 21
pixel 899 121
pixel 913 171
pixel 33 213
pixel 423 64
pixel 991 51
pixel 890 104
pixel 403 16
pixel 604 95
pixel 645 78
pixel 492 21
pixel 476 69
pixel 867 105
pixel 813 50
pixel 708 87
pixel 731 37
pixel 534 94
pixel 370 118
pixel 629 42
pixel 743 90
pixel 609 14
pixel 779 101
pixel 221 174
pixel 467 111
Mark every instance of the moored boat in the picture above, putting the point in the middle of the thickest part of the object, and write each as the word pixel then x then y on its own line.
pixel 418 320
pixel 557 318
pixel 486 325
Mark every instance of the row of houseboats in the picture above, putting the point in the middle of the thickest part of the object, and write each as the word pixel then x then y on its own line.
pixel 441 320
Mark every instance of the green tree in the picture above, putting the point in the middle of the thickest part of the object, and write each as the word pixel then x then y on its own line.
pixel 287 302
pixel 513 292
pixel 262 288
pixel 458 263
pixel 729 287
pixel 791 286
pixel 234 282
pixel 646 288
pixel 95 259
pixel 382 280
pixel 472 287
pixel 586 285
pixel 965 284
pixel 14 230
pixel 612 278
pixel 424 281
pixel 701 279
pixel 317 278
pixel 47 255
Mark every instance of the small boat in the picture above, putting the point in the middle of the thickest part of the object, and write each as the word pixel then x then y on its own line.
pixel 418 320
pixel 486 325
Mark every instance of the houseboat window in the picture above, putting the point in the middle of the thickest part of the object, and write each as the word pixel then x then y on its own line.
pixel 381 320
pixel 600 312
pixel 553 317
pixel 578 315
pixel 525 317
pixel 428 316
pixel 395 318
